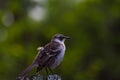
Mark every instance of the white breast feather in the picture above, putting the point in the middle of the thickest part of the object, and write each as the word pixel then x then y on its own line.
pixel 59 58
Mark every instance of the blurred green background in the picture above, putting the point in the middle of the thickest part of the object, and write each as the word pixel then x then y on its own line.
pixel 93 53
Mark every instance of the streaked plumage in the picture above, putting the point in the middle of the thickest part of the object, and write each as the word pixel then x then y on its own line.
pixel 49 55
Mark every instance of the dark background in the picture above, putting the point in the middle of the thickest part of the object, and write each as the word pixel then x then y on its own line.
pixel 93 52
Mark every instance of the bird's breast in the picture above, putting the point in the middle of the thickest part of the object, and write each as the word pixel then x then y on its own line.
pixel 59 57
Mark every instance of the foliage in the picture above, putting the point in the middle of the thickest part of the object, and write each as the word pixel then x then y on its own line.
pixel 93 53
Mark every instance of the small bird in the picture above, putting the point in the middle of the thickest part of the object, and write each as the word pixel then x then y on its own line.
pixel 49 56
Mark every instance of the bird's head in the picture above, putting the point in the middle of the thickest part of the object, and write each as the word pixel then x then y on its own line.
pixel 59 37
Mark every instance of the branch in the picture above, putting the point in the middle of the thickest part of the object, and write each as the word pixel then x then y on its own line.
pixel 41 77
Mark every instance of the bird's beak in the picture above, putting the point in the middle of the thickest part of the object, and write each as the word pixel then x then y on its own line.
pixel 66 37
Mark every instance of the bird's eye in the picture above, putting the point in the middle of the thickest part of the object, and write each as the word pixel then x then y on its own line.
pixel 61 38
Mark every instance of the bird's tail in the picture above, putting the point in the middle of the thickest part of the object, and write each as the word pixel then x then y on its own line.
pixel 22 75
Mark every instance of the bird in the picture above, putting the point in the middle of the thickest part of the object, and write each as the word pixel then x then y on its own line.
pixel 49 56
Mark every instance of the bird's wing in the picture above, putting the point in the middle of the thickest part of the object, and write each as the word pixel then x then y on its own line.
pixel 50 50
pixel 37 57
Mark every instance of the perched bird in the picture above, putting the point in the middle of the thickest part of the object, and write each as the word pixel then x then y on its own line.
pixel 49 56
